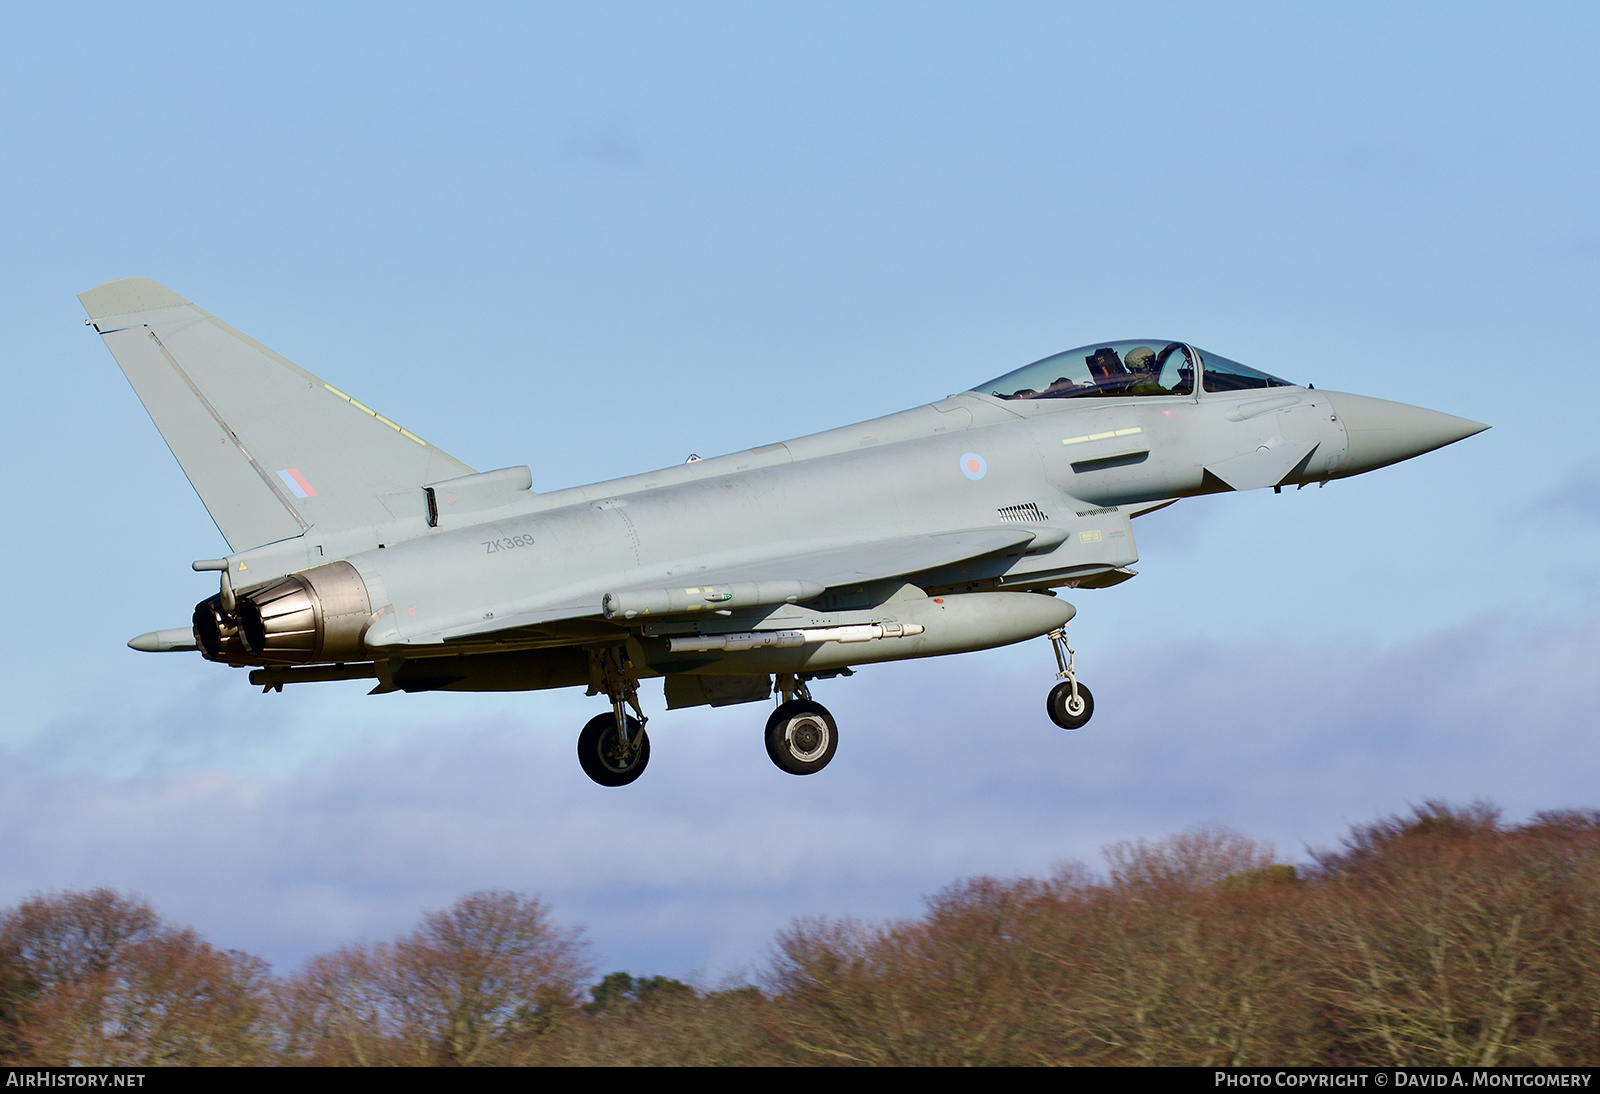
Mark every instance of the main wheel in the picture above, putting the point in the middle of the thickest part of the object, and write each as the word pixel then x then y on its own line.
pixel 802 737
pixel 602 756
pixel 1066 713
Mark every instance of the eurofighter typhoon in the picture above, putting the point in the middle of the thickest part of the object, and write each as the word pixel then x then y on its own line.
pixel 361 551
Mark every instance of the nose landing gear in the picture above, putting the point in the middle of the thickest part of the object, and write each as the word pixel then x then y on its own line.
pixel 1070 705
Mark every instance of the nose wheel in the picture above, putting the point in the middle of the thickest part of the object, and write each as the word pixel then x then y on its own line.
pixel 1069 703
pixel 1067 710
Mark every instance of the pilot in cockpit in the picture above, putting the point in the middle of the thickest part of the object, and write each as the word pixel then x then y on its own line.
pixel 1141 362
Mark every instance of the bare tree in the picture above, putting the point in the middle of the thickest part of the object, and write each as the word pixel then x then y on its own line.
pixel 1443 936
pixel 109 984
pixel 1184 957
pixel 1570 839
pixel 940 991
pixel 659 1022
pixel 482 982
pixel 59 938
pixel 336 1010
pixel 1442 943
pixel 486 975
pixel 15 998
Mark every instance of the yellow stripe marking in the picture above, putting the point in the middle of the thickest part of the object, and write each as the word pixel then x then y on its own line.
pixel 368 410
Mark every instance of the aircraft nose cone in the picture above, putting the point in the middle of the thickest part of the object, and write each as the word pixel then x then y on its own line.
pixel 1381 432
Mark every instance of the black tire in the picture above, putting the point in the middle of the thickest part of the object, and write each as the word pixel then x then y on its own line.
pixel 600 751
pixel 802 737
pixel 1061 700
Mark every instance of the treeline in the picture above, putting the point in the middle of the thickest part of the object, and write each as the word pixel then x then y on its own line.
pixel 1441 937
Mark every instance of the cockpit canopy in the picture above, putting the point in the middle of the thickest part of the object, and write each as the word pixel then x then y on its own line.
pixel 1122 369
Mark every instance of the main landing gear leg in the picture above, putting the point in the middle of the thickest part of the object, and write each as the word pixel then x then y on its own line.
pixel 801 735
pixel 613 748
pixel 1070 704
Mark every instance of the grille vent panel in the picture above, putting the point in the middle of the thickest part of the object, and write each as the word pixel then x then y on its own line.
pixel 1028 513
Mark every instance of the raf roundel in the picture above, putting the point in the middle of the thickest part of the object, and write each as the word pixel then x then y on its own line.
pixel 973 466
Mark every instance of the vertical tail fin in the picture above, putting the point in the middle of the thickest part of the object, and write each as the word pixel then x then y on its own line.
pixel 271 449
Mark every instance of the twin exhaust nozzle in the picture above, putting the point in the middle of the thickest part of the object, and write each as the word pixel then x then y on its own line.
pixel 314 616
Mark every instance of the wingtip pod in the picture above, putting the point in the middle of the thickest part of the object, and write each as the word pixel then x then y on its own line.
pixel 127 296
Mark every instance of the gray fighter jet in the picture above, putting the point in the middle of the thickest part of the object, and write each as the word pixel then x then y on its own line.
pixel 361 551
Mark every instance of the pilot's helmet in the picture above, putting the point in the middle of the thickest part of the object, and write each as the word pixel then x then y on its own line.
pixel 1140 359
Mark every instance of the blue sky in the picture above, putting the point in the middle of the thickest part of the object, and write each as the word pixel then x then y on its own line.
pixel 594 239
